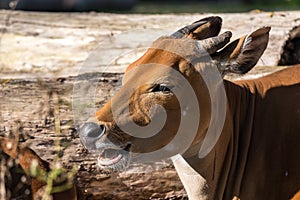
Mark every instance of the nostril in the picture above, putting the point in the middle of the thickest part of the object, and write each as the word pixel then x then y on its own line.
pixel 93 130
pixel 97 131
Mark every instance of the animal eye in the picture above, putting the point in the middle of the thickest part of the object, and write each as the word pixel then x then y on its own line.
pixel 161 88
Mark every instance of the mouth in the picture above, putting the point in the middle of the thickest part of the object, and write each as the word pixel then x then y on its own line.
pixel 114 158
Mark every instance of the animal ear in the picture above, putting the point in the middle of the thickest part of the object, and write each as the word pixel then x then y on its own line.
pixel 241 55
pixel 201 29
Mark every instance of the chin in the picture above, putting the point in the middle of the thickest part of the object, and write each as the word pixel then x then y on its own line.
pixel 114 159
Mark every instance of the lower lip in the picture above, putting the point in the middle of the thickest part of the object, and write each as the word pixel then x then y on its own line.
pixel 106 162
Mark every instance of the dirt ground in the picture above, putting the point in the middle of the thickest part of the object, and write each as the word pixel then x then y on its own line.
pixel 43 91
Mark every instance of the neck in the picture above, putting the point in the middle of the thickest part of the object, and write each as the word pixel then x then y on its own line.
pixel 241 106
pixel 219 167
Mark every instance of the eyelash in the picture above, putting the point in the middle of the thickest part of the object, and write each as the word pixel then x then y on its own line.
pixel 161 88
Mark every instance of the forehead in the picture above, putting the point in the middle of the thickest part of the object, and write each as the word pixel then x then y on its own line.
pixel 168 51
pixel 164 55
pixel 149 73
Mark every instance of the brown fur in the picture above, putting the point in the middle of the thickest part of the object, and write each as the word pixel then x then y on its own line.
pixel 297 196
pixel 256 156
pixel 26 157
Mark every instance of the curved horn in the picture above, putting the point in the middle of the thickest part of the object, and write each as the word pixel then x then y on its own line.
pixel 201 29
pixel 211 45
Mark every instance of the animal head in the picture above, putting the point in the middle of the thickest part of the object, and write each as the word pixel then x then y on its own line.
pixel 165 88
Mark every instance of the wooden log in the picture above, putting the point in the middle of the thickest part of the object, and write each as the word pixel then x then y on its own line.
pixel 59 44
pixel 40 79
pixel 32 103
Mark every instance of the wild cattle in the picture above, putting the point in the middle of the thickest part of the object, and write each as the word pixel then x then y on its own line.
pixel 240 140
